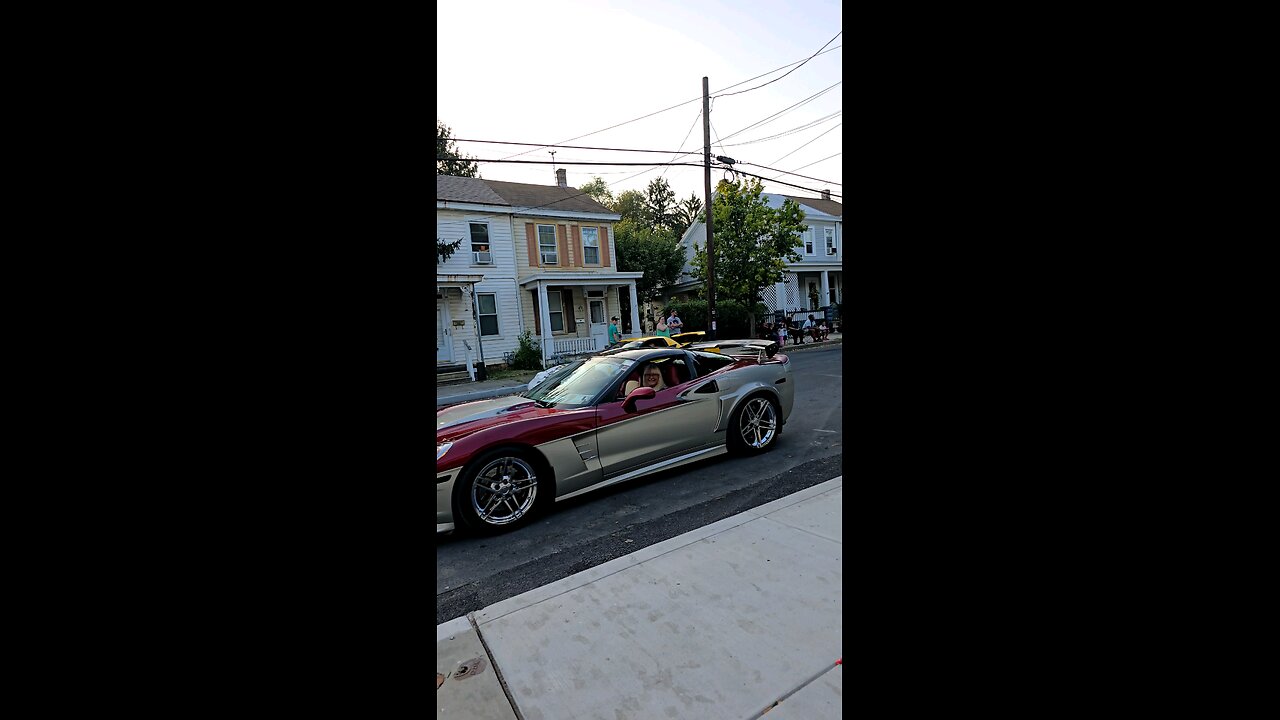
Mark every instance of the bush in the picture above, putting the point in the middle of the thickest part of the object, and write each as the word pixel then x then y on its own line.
pixel 731 317
pixel 529 355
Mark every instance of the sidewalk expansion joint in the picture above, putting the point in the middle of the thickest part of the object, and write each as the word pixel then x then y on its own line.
pixel 502 681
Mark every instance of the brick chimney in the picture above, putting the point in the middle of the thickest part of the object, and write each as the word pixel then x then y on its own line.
pixel 826 194
pixel 561 180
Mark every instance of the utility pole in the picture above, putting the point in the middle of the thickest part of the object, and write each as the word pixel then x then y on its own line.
pixel 706 179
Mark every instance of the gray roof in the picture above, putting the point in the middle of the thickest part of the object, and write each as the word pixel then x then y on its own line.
pixel 828 207
pixel 547 197
pixel 461 189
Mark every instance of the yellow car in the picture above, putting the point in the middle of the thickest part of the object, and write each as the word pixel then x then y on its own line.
pixel 658 341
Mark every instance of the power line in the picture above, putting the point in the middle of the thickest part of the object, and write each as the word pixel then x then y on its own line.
pixel 784 172
pixel 673 107
pixel 680 153
pixel 815 162
pixel 778 114
pixel 580 162
pixel 797 67
pixel 792 131
pixel 793 152
pixel 580 147
pixel 779 182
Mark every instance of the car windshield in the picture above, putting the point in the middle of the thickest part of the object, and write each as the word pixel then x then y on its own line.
pixel 579 383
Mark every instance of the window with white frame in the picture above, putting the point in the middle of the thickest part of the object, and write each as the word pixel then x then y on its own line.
pixel 555 309
pixel 488 303
pixel 591 246
pixel 831 240
pixel 547 244
pixel 480 253
pixel 808 241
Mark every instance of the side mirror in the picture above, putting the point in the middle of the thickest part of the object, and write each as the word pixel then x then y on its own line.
pixel 640 393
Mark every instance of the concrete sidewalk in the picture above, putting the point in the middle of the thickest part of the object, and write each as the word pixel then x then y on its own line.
pixel 484 389
pixel 732 620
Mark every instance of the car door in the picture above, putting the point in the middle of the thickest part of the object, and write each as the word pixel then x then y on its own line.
pixel 678 420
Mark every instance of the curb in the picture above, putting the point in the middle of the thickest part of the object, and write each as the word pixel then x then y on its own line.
pixel 809 346
pixel 479 395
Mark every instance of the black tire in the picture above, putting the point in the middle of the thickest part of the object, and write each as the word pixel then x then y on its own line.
pixel 755 425
pixel 501 490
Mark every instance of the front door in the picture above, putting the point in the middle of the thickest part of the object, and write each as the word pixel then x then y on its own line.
pixel 599 323
pixel 444 338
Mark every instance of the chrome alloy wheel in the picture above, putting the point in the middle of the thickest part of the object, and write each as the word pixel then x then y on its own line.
pixel 504 491
pixel 758 423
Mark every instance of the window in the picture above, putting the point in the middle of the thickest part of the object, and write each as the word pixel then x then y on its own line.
pixel 556 310
pixel 831 240
pixel 480 254
pixel 591 246
pixel 808 241
pixel 488 313
pixel 547 246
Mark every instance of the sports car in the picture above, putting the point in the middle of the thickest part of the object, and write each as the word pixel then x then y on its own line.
pixel 605 419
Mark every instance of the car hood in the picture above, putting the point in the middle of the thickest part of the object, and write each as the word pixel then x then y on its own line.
pixel 470 417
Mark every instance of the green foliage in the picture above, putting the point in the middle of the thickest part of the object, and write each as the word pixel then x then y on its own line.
pixel 453 162
pixel 444 249
pixel 655 252
pixel 732 319
pixel 689 211
pixel 660 206
pixel 630 205
pixel 597 189
pixel 528 355
pixel 753 242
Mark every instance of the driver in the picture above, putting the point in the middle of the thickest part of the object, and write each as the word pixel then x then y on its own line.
pixel 653 378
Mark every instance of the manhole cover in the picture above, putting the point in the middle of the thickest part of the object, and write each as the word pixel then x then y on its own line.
pixel 474 666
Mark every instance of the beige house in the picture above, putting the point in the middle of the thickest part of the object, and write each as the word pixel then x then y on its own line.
pixel 566 266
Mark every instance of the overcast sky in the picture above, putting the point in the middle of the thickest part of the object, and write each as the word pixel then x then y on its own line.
pixel 545 72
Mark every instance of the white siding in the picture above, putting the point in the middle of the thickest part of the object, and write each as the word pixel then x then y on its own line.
pixel 499 279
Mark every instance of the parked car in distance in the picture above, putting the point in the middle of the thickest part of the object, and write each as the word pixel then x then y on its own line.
pixel 600 421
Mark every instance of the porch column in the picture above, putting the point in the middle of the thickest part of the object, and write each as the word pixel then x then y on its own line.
pixel 545 319
pixel 635 311
pixel 825 297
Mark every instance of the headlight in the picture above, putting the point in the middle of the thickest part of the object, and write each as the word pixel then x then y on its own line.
pixel 441 449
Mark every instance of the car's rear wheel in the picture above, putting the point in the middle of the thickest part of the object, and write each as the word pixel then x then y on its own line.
pixel 499 491
pixel 755 425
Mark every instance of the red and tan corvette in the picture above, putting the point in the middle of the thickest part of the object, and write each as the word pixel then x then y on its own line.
pixel 606 419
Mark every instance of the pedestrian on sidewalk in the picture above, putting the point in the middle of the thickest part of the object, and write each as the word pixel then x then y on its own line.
pixel 674 323
pixel 614 335
pixel 782 333
pixel 662 330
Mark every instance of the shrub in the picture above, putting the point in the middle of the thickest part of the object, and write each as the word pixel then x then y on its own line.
pixel 731 317
pixel 528 356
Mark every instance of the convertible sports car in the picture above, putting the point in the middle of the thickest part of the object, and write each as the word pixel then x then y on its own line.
pixel 651 341
pixel 605 419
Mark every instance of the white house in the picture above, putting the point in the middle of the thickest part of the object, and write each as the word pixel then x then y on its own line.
pixel 815 281
pixel 476 297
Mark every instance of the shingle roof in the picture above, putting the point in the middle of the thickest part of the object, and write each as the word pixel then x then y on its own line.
pixel 461 189
pixel 829 207
pixel 552 197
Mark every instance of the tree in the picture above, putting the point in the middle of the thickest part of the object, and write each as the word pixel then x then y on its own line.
pixel 454 163
pixel 597 189
pixel 660 205
pixel 656 253
pixel 753 242
pixel 689 211
pixel 445 249
pixel 630 205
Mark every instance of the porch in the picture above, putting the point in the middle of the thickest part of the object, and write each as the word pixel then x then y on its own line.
pixel 569 312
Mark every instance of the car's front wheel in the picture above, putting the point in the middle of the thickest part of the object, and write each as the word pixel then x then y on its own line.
pixel 755 425
pixel 499 491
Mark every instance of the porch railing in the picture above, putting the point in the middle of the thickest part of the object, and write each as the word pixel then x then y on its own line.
pixel 575 346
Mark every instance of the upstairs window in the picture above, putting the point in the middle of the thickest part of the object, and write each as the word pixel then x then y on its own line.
pixel 831 240
pixel 591 246
pixel 480 253
pixel 547 244
pixel 808 241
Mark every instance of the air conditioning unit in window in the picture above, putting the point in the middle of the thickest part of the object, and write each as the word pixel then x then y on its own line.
pixel 831 251
pixel 548 259
pixel 482 258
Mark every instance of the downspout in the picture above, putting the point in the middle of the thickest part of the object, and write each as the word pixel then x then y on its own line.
pixel 482 372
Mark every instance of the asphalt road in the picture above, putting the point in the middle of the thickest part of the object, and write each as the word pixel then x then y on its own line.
pixel 474 572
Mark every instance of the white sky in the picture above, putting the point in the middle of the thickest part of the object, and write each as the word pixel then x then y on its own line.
pixel 544 72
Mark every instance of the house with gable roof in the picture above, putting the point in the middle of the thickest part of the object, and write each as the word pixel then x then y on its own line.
pixel 813 282
pixel 567 267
